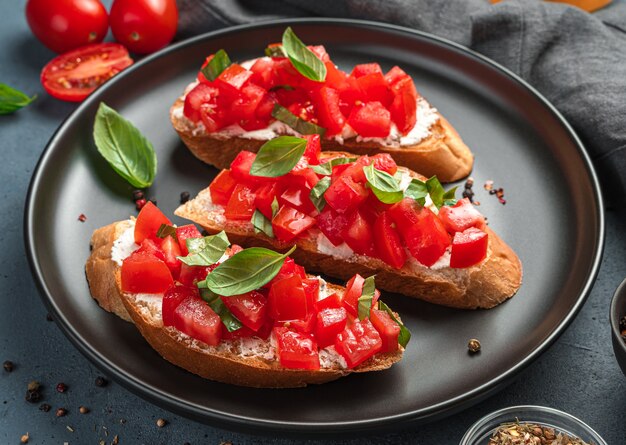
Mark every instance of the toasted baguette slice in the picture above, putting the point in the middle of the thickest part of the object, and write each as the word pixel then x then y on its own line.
pixel 238 362
pixel 442 153
pixel 484 285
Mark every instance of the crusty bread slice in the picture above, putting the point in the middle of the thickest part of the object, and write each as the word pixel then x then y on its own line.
pixel 238 362
pixel 442 153
pixel 484 285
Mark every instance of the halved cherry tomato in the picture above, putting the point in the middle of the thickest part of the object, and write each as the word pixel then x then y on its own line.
pixel 332 224
pixel 387 242
pixel 194 317
pixel 145 273
pixel 148 222
pixel 221 189
pixel 289 223
pixel 388 329
pixel 461 217
pixel 183 233
pixel 354 289
pixel 174 295
pixel 250 308
pixel 345 195
pixel 241 204
pixel 171 250
pixel 358 342
pixel 468 248
pixel 144 26
pixel 287 300
pixel 76 74
pixel 330 322
pixel 295 349
pixel 371 120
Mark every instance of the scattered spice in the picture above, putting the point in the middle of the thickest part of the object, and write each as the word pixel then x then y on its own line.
pixel 138 194
pixel 467 189
pixel 69 428
pixel 25 438
pixel 8 366
pixel 44 407
pixel 61 412
pixel 116 440
pixel 488 185
pixel 32 392
pixel 140 203
pixel 83 409
pixel 34 385
pixel 516 433
pixel 473 345
pixel 49 317
pixel 61 387
pixel 101 381
pixel 82 217
pixel 161 423
pixel 184 197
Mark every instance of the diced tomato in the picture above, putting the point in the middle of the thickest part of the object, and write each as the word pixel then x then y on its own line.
pixel 364 69
pixel 398 81
pixel 332 224
pixel 384 162
pixel 313 149
pixel 468 248
pixel 243 108
pixel 298 198
pixel 151 248
pixel 265 108
pixel 388 329
pixel 263 198
pixel 354 290
pixel 312 290
pixel 358 234
pixel 289 223
pixel 387 242
pixel 201 95
pixel 171 250
pixel 355 169
pixel 145 273
pixel 194 317
pixel 423 233
pixel 285 73
pixel 305 326
pixel 287 300
pixel 350 95
pixel 330 322
pixel 375 88
pixel 232 79
pixel 295 349
pixel 241 204
pixel 243 332
pixel 240 169
pixel 328 111
pixel 335 78
pixel 190 275
pixel 461 216
pixel 331 301
pixel 358 342
pixel 263 70
pixel 301 175
pixel 320 52
pixel 250 308
pixel 403 111
pixel 148 222
pixel 345 195
pixel 286 270
pixel 183 233
pixel 174 295
pixel 371 120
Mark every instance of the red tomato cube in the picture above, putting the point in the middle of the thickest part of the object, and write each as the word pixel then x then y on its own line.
pixel 313 149
pixel 222 187
pixel 358 234
pixel 468 248
pixel 330 322
pixel 263 72
pixel 330 302
pixel 399 81
pixel 384 162
pixel 332 224
pixel 151 248
pixel 375 88
pixel 146 274
pixel 461 216
pixel 174 295
pixel 295 349
pixel 335 78
pixel 240 206
pixel 249 308
pixel 371 120
pixel 328 111
pixel 358 342
pixel 194 317
pixel 148 222
pixel 289 223
pixel 345 195
pixel 263 198
pixel 403 112
pixel 287 300
pixel 298 198
pixel 183 233
pixel 190 275
pixel 388 329
pixel 366 68
pixel 201 95
pixel 305 326
pixel 387 242
pixel 171 250
pixel 240 169
pixel 354 290
pixel 232 79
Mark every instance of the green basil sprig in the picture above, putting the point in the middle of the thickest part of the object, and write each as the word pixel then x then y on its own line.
pixel 300 125
pixel 302 58
pixel 231 322
pixel 275 51
pixel 246 271
pixel 12 100
pixel 405 334
pixel 385 187
pixel 275 206
pixel 166 230
pixel 205 251
pixel 218 63
pixel 278 156
pixel 418 190
pixel 327 167
pixel 126 150
pixel 367 295
pixel 261 224
pixel 317 193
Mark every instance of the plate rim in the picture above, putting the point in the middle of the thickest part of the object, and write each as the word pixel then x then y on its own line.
pixel 229 420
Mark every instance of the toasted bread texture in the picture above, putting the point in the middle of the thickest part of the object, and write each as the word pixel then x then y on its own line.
pixel 483 285
pixel 443 153
pixel 247 362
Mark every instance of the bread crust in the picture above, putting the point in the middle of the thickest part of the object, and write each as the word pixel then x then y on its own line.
pixel 443 153
pixel 224 365
pixel 483 285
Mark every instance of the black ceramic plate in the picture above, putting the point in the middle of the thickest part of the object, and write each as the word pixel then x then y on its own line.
pixel 553 220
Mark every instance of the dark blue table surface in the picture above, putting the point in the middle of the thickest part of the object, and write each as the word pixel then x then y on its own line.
pixel 578 374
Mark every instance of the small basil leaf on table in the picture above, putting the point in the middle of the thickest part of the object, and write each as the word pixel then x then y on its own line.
pixel 405 334
pixel 214 301
pixel 126 150
pixel 246 271
pixel 205 251
pixel 278 156
pixel 300 125
pixel 317 193
pixel 327 167
pixel 385 187
pixel 302 58
pixel 12 100
pixel 261 224
pixel 216 65
pixel 367 295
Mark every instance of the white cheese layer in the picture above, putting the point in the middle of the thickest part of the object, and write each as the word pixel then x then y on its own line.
pixel 124 245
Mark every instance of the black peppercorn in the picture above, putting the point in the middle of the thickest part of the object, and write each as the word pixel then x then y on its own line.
pixel 137 194
pixel 8 366
pixel 101 381
pixel 44 407
pixel 33 396
pixel 184 197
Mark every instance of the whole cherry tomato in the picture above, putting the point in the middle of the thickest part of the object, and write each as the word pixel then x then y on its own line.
pixel 144 26
pixel 63 25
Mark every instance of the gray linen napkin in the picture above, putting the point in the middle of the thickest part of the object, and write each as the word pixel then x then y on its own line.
pixel 575 59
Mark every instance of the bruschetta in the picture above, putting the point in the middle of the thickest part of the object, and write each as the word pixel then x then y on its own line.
pixel 270 326
pixel 232 107
pixel 359 214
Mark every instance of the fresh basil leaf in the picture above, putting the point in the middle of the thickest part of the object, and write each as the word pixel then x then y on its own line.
pixel 417 190
pixel 231 322
pixel 275 51
pixel 448 197
pixel 317 193
pixel 435 190
pixel 367 295
pixel 12 100
pixel 205 251
pixel 246 271
pixel 278 156
pixel 300 125
pixel 405 334
pixel 166 230
pixel 302 58
pixel 261 224
pixel 326 168
pixel 126 150
pixel 275 207
pixel 218 63
pixel 385 187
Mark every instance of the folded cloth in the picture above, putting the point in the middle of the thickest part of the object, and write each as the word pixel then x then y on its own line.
pixel 575 59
